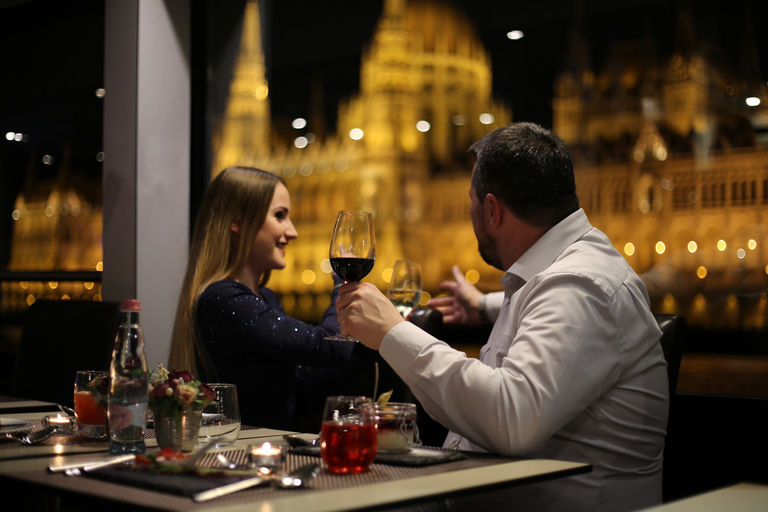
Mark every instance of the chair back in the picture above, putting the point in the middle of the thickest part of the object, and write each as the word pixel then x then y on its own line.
pixel 59 338
pixel 674 332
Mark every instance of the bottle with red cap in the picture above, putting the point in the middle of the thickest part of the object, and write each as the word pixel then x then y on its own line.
pixel 129 385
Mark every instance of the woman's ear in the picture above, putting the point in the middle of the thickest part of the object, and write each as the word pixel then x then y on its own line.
pixel 236 224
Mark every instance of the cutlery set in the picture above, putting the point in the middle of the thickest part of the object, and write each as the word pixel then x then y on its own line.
pixel 295 479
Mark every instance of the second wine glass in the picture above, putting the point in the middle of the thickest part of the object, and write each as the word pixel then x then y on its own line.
pixel 353 250
pixel 405 287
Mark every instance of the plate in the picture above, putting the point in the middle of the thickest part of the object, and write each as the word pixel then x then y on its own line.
pixel 14 425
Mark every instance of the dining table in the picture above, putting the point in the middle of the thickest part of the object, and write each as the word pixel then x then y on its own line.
pixel 387 483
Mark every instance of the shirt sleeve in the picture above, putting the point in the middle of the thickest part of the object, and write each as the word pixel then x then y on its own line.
pixel 233 316
pixel 552 356
pixel 491 304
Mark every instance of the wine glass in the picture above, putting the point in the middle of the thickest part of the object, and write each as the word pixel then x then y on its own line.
pixel 353 250
pixel 405 287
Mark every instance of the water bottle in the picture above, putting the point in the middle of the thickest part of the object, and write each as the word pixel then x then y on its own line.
pixel 128 396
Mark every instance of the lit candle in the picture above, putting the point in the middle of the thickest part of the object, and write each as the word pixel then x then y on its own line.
pixel 266 455
pixel 62 424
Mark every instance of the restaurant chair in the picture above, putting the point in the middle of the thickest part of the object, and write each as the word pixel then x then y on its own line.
pixel 60 337
pixel 674 331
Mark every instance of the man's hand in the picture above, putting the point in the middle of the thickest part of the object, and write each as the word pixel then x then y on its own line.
pixel 365 313
pixel 463 307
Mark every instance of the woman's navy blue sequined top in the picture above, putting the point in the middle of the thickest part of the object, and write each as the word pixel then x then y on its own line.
pixel 253 344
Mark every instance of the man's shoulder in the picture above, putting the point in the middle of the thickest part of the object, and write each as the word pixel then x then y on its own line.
pixel 594 258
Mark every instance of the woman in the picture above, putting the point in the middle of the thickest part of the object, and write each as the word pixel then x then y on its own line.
pixel 229 327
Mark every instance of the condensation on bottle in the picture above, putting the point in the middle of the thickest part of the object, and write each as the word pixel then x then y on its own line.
pixel 129 384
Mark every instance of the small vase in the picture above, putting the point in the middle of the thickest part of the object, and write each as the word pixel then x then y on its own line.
pixel 178 430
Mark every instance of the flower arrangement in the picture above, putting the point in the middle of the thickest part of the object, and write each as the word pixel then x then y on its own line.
pixel 177 391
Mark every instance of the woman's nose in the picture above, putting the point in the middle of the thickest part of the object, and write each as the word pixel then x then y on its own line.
pixel 291 232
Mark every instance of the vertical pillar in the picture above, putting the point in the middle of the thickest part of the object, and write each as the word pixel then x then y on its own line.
pixel 146 164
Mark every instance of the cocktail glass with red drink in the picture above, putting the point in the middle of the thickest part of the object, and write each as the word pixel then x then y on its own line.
pixel 91 402
pixel 348 435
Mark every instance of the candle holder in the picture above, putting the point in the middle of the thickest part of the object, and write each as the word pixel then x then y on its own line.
pixel 267 456
pixel 62 424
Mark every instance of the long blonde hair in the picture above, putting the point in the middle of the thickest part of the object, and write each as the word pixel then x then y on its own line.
pixel 237 194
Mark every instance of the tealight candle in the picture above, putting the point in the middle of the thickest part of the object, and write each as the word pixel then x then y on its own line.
pixel 62 424
pixel 266 455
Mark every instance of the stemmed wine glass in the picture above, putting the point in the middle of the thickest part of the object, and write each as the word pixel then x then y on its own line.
pixel 405 287
pixel 353 250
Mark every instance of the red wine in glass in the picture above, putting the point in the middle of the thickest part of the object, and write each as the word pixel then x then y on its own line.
pixel 353 250
pixel 352 269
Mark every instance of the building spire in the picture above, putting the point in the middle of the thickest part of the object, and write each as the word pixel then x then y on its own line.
pixel 244 134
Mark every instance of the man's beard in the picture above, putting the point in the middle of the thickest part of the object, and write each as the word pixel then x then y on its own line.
pixel 489 251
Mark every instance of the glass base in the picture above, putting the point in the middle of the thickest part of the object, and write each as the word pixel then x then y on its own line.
pixel 123 448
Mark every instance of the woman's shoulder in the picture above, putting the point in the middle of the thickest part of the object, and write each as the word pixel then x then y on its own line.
pixel 224 289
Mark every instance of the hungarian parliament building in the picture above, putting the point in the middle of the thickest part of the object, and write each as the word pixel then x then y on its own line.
pixel 670 156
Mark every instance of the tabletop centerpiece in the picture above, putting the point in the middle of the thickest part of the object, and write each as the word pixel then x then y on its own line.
pixel 176 400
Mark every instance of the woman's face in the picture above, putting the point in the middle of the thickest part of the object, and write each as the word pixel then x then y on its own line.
pixel 268 251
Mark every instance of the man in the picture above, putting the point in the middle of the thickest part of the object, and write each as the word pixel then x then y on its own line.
pixel 573 369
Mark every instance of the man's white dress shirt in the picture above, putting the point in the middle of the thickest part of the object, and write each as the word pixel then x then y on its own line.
pixel 573 370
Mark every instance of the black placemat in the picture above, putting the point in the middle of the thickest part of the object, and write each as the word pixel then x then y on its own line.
pixel 416 457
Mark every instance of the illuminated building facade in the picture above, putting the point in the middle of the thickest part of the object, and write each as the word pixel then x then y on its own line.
pixel 672 164
pixel 400 152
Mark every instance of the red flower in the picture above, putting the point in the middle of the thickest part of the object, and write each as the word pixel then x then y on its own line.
pixel 181 374
pixel 160 391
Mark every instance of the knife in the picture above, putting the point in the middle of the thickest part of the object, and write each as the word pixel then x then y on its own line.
pixel 91 465
pixel 229 488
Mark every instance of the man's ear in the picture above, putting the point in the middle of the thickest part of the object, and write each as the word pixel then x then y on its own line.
pixel 236 224
pixel 494 209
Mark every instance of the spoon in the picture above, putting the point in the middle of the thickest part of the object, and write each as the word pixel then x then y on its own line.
pixel 68 410
pixel 229 464
pixel 31 438
pixel 295 441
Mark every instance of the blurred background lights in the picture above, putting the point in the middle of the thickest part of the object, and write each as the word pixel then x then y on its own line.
pixel 514 35
pixel 472 276
pixel 305 169
pixel 308 277
pixel 100 156
pixel 629 249
pixel 721 245
pixel 100 92
pixel 692 246
pixel 752 244
pixel 741 253
pixel 386 275
pixel 310 137
pixel 660 247
pixel 325 266
pixel 487 118
pixel 701 272
pixel 459 120
pixel 16 215
pixel 356 134
pixel 425 298
pixel 299 123
pixel 341 164
pixel 423 126
pixel 752 101
pixel 300 142
pixel 48 160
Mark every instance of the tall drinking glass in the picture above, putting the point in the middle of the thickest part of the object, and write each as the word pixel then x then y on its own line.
pixel 221 416
pixel 348 435
pixel 405 287
pixel 353 250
